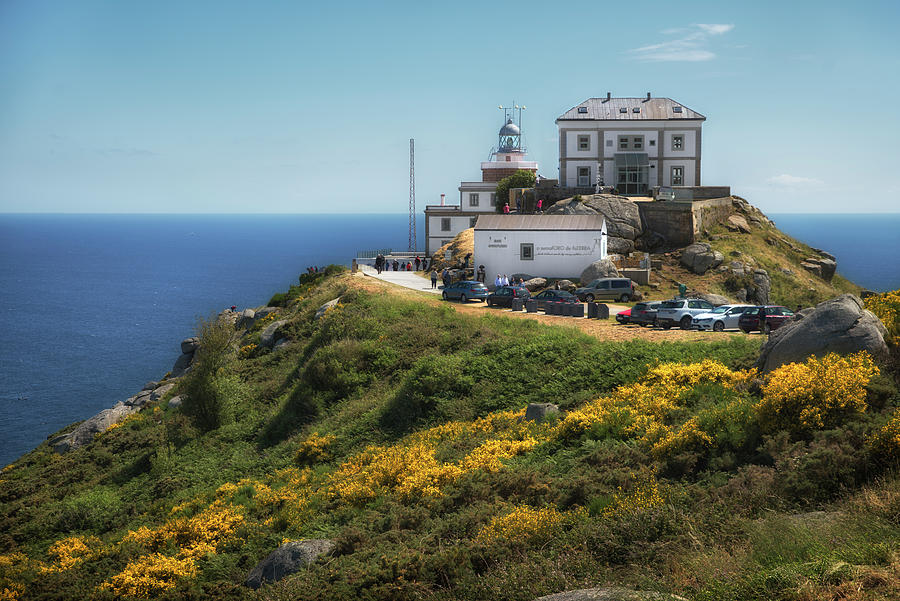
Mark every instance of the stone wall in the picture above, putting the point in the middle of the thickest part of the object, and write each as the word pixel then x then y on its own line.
pixel 708 213
pixel 701 192
pixel 674 221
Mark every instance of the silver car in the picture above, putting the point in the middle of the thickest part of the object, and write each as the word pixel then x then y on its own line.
pixel 723 317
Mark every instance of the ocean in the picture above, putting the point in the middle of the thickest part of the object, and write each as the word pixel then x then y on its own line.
pixel 94 306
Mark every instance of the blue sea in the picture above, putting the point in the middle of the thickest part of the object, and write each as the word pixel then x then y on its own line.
pixel 94 306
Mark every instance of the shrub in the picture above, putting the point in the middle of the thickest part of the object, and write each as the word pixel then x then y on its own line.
pixel 209 391
pixel 96 509
pixel 887 307
pixel 519 179
pixel 820 393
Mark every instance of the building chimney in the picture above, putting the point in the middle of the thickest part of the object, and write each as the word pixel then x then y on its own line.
pixel 442 199
pixel 648 95
pixel 608 96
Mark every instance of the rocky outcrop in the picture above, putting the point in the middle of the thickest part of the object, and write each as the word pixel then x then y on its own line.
pixel 840 325
pixel 623 219
pixel 182 365
pixel 715 299
pixel 762 286
pixel 821 267
pixel 610 593
pixel 268 336
pixel 86 430
pixel 320 312
pixel 286 560
pixel 189 345
pixel 176 401
pixel 737 223
pixel 535 284
pixel 538 412
pixel 603 268
pixel 566 285
pixel 700 257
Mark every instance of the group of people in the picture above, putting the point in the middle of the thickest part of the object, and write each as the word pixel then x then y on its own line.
pixel 503 280
pixel 314 269
pixel 382 264
pixel 538 207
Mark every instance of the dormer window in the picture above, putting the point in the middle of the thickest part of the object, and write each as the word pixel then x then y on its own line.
pixel 582 109
pixel 623 110
pixel 636 109
pixel 676 109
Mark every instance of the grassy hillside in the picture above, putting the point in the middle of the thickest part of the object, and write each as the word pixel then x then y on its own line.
pixel 392 425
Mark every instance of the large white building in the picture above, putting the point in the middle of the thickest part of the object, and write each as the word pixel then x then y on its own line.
pixel 444 222
pixel 554 246
pixel 632 144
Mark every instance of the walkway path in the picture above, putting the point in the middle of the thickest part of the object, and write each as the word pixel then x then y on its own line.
pixel 407 279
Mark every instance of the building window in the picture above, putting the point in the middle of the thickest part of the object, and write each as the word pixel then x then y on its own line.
pixel 508 159
pixel 584 142
pixel 584 177
pixel 473 200
pixel 526 252
pixel 472 221
pixel 652 142
pixel 445 224
pixel 677 176
pixel 623 142
pixel 638 143
pixel 493 199
pixel 677 142
pixel 609 143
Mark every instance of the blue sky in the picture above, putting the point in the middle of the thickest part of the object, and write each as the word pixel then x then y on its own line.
pixel 265 107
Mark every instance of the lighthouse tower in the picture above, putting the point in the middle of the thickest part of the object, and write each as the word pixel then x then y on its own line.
pixel 509 156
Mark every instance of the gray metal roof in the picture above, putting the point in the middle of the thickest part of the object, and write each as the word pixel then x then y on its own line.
pixel 539 222
pixel 655 109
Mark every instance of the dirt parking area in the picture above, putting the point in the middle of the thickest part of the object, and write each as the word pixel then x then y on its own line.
pixel 602 329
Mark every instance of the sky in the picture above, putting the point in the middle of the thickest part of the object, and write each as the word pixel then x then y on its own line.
pixel 301 107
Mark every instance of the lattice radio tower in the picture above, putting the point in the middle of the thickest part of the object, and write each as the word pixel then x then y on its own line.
pixel 412 195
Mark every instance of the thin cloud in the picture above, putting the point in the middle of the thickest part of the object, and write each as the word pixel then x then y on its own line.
pixel 794 181
pixel 691 46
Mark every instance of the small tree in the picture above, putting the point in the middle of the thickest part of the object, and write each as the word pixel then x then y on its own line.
pixel 208 387
pixel 519 179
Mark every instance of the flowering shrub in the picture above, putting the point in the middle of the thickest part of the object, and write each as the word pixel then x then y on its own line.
pixel 150 575
pixel 247 350
pixel 526 524
pixel 642 498
pixel 192 537
pixel 887 307
pixel 314 448
pixel 69 552
pixel 817 393
pixel 886 440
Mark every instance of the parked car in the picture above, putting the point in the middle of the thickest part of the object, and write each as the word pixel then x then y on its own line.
pixel 504 295
pixel 776 316
pixel 644 314
pixel 555 296
pixel 723 317
pixel 680 312
pixel 624 317
pixel 465 291
pixel 621 289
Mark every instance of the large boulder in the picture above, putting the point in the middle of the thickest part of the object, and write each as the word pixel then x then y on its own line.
pixel 88 429
pixel 287 559
pixel 604 268
pixel 700 257
pixel 840 325
pixel 182 365
pixel 535 284
pixel 715 299
pixel 267 337
pixel 623 219
pixel 189 345
pixel 538 412
pixel 762 286
pixel 566 285
pixel 620 246
pixel 610 593
pixel 160 392
pixel 737 223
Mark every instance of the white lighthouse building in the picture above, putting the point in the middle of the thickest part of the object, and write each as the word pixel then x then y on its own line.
pixel 444 221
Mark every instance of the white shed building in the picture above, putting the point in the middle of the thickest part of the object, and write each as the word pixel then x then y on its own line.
pixel 554 246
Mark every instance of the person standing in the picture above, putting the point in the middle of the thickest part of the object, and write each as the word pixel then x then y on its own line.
pixel 445 277
pixel 498 282
pixel 540 206
pixel 518 205
pixel 433 279
pixel 506 209
pixel 396 265
pixel 418 263
pixel 409 266
pixel 505 280
pixel 761 315
pixel 481 274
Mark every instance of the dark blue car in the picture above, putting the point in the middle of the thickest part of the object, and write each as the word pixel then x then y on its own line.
pixel 504 295
pixel 465 291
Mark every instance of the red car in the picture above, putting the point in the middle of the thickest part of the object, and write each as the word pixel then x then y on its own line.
pixel 776 316
pixel 624 316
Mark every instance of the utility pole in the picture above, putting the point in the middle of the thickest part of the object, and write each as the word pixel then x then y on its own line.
pixel 412 195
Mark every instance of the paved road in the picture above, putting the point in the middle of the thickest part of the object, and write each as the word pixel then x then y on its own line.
pixel 407 279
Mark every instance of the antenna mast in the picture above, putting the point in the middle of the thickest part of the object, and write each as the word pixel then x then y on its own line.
pixel 412 195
